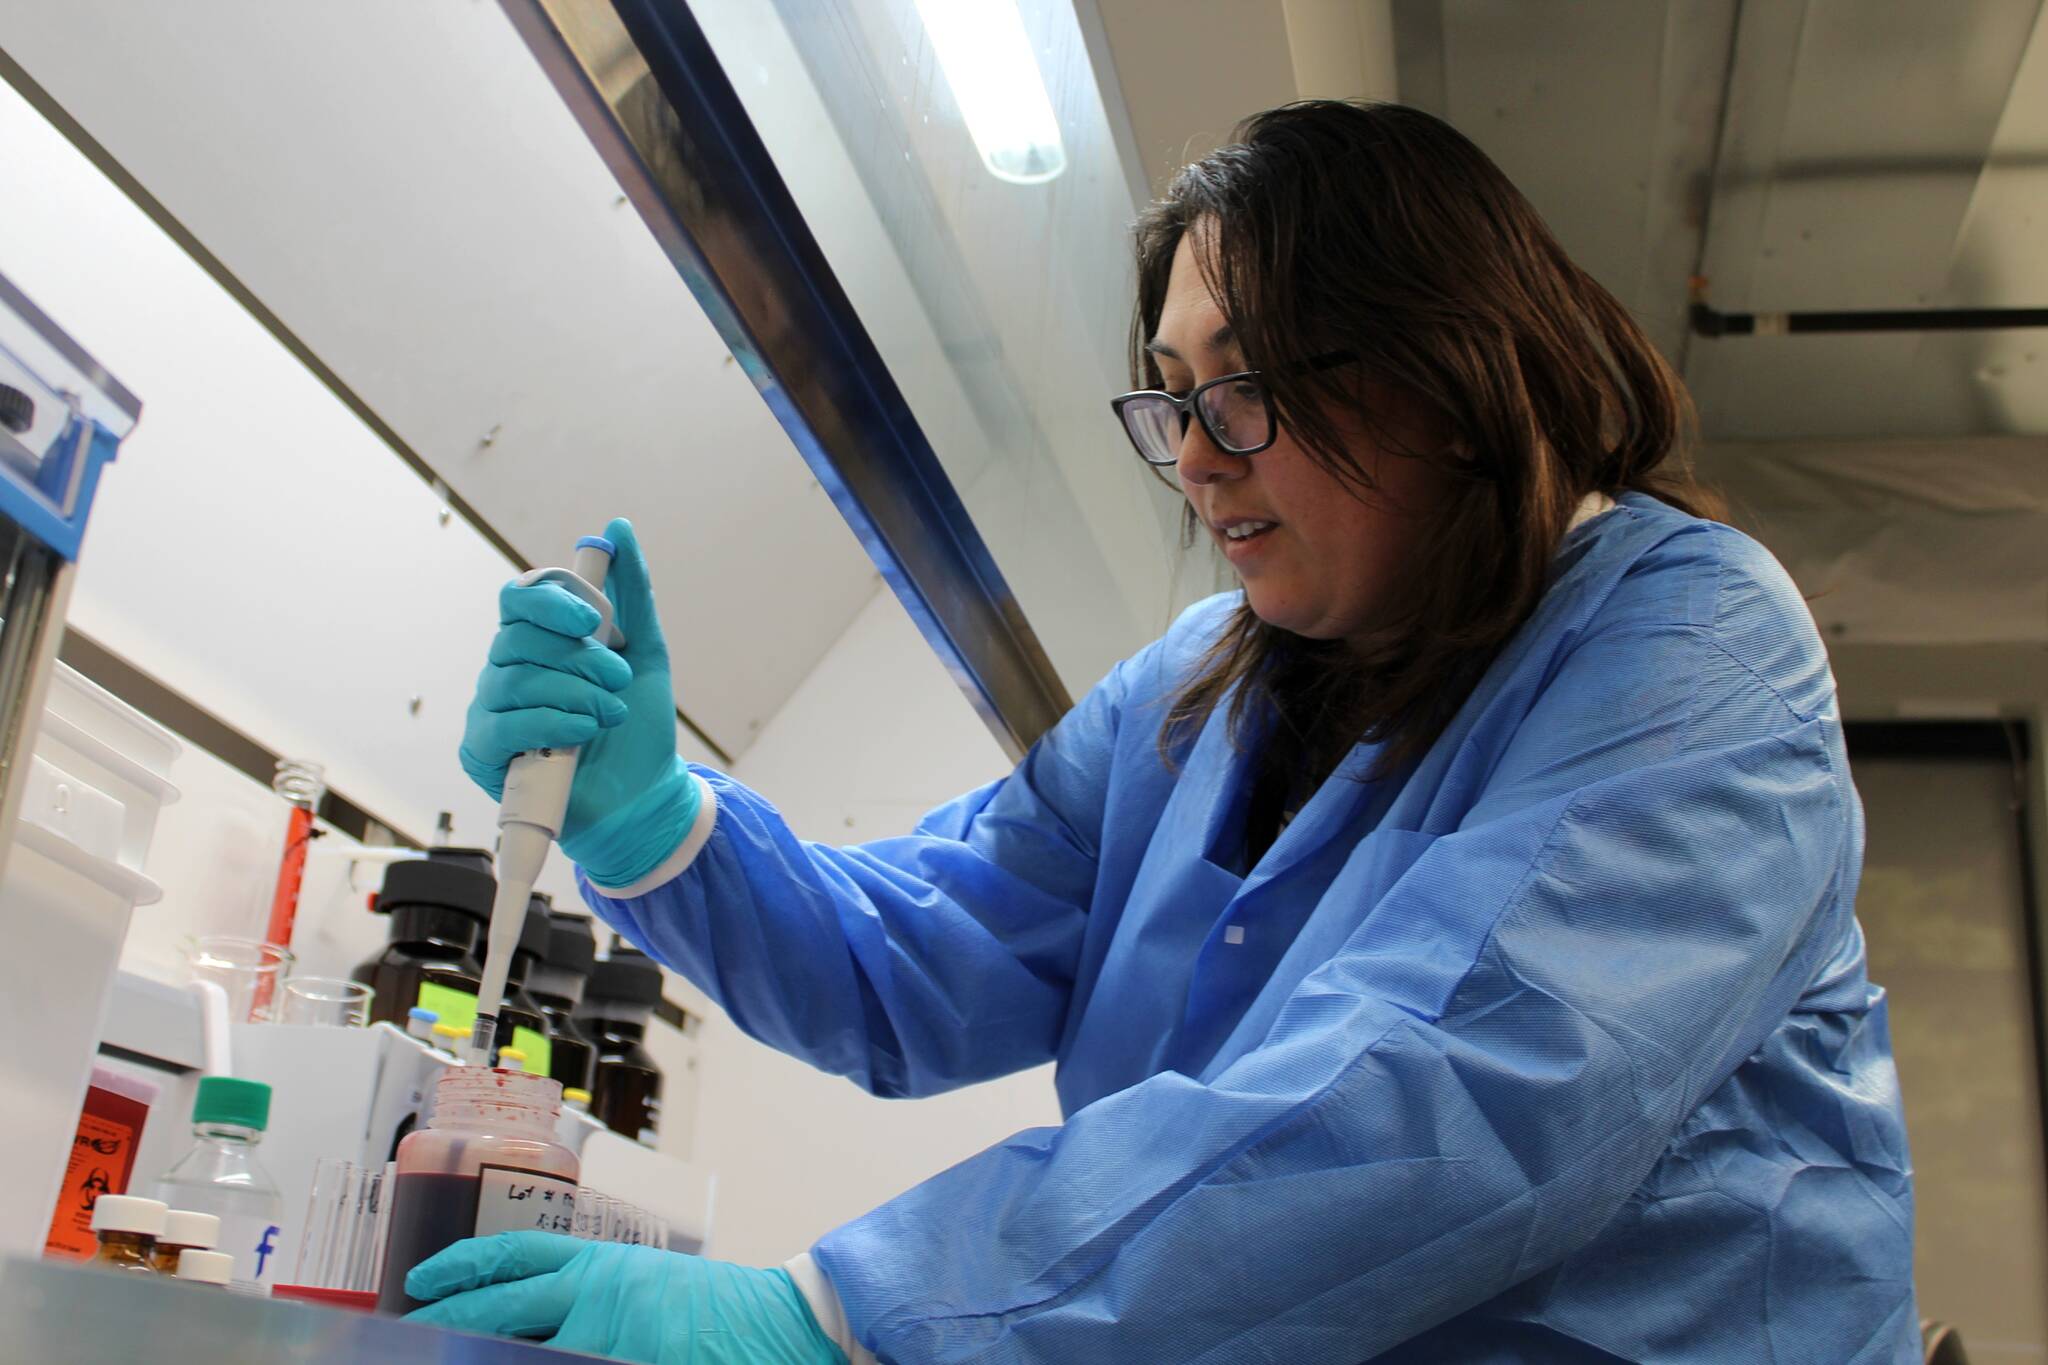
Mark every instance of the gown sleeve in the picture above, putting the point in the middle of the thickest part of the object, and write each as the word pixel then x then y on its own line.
pixel 909 965
pixel 1467 1090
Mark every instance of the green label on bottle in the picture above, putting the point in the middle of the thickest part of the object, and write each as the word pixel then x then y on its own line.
pixel 456 1008
pixel 538 1049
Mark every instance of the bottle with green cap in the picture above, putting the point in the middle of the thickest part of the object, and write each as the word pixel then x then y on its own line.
pixel 222 1176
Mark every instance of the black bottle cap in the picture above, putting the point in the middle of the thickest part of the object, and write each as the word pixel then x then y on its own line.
pixel 444 897
pixel 450 883
pixel 478 858
pixel 572 947
pixel 627 977
pixel 425 924
pixel 17 409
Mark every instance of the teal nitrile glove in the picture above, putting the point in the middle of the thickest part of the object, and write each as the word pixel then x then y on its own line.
pixel 631 1303
pixel 548 684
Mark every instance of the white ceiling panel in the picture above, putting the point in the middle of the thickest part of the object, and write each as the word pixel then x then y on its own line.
pixel 1188 70
pixel 1801 155
pixel 1879 154
pixel 402 187
pixel 1604 115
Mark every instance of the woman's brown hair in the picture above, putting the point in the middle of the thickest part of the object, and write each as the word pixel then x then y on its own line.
pixel 1379 232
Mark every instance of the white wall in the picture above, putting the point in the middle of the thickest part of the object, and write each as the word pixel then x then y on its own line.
pixel 877 735
pixel 454 249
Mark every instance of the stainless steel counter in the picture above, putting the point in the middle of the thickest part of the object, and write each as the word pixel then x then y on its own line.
pixel 55 1314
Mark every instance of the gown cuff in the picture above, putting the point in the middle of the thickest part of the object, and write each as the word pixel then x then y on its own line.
pixel 673 866
pixel 825 1307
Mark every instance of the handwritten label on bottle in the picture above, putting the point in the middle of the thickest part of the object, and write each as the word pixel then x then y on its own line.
pixel 512 1200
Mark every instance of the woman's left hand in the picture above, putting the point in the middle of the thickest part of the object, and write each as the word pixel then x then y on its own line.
pixel 632 1303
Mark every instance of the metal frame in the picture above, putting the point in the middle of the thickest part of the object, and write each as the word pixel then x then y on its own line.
pixel 642 81
pixel 2011 741
pixel 35 594
pixel 58 340
pixel 42 515
pixel 48 493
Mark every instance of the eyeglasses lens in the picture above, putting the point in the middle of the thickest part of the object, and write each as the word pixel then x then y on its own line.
pixel 1237 415
pixel 1155 428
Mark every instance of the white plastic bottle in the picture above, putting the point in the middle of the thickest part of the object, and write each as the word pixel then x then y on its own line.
pixel 222 1176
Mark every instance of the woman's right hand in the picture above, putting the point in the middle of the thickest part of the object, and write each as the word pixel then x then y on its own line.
pixel 549 684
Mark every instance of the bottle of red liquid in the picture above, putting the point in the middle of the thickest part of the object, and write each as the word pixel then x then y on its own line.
pixel 487 1162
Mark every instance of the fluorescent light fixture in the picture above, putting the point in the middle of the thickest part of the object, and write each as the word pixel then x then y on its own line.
pixel 986 57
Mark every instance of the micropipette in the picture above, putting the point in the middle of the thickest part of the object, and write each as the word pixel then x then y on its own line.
pixel 535 800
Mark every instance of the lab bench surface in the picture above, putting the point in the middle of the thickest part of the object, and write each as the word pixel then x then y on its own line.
pixel 62 1314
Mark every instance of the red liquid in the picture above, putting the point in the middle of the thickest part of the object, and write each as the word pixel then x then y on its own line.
pixel 429 1211
pixel 291 873
pixel 284 904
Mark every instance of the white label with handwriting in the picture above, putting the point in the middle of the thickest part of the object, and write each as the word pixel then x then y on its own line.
pixel 512 1200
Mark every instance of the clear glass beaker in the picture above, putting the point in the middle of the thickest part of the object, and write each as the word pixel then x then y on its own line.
pixel 327 1000
pixel 248 969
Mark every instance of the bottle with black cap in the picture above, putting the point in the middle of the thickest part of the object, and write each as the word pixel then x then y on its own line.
pixel 556 983
pixel 626 1095
pixel 17 410
pixel 439 906
pixel 521 1024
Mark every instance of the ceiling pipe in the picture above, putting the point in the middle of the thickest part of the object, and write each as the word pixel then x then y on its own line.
pixel 1711 322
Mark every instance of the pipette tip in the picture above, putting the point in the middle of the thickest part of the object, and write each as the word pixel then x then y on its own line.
pixel 481 1036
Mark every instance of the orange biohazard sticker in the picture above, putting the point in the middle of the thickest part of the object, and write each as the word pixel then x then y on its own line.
pixel 102 1158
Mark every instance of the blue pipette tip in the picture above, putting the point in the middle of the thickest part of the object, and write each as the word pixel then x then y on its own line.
pixel 599 542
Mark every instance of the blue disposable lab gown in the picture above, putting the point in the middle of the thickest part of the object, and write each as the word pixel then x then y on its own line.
pixel 1557 1047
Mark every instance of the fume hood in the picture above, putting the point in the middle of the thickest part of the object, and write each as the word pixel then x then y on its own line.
pixel 497 263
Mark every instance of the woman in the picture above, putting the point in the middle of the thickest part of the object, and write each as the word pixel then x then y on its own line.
pixel 1447 943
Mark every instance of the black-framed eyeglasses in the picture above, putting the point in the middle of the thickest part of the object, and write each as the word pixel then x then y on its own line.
pixel 1236 410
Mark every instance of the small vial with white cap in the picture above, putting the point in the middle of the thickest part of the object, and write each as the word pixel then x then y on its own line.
pixel 183 1231
pixel 127 1228
pixel 215 1268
